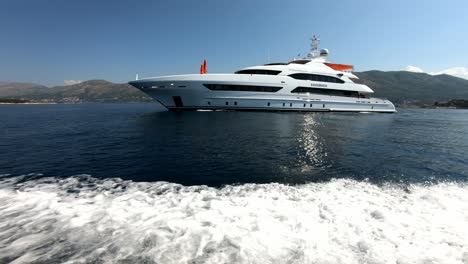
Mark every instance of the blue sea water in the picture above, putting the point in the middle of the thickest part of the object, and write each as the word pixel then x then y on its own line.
pixel 142 142
pixel 107 183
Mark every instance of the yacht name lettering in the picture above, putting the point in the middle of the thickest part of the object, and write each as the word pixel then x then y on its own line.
pixel 318 85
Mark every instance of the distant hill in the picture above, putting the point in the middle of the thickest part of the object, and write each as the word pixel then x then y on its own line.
pixel 401 87
pixel 88 91
pixel 15 89
pixel 404 87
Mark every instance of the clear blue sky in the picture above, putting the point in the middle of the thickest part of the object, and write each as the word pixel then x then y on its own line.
pixel 49 41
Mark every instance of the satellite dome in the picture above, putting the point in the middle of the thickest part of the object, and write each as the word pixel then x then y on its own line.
pixel 324 53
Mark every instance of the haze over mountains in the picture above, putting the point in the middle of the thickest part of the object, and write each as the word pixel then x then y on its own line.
pixel 401 87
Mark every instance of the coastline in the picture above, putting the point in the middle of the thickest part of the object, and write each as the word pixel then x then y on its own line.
pixel 36 103
pixel 74 103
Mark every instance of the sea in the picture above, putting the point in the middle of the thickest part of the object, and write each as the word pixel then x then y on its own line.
pixel 133 183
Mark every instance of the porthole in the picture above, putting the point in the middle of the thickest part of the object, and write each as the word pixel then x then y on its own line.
pixel 209 103
pixel 310 105
pixel 268 104
pixel 284 104
pixel 235 103
pixel 323 105
pixel 304 105
pixel 290 104
pixel 227 103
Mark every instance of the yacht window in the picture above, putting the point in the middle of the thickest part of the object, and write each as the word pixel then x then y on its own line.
pixel 316 77
pixel 268 104
pixel 290 104
pixel 284 104
pixel 299 61
pixel 261 72
pixel 276 63
pixel 243 88
pixel 235 103
pixel 227 103
pixel 331 92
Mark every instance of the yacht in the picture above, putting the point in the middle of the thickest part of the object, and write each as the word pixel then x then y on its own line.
pixel 307 84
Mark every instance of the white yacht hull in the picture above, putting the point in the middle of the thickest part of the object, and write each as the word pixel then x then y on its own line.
pixel 188 92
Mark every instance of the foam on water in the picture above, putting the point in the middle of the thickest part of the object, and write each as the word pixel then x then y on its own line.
pixel 83 219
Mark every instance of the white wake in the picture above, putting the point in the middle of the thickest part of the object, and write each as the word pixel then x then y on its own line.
pixel 82 219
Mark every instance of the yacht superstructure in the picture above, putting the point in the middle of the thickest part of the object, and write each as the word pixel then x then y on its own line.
pixel 308 84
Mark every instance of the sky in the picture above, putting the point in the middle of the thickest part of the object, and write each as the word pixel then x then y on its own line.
pixel 53 42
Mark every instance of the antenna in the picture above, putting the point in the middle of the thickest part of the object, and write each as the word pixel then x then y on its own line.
pixel 136 77
pixel 314 46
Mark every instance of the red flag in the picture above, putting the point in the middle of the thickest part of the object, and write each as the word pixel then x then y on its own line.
pixel 205 67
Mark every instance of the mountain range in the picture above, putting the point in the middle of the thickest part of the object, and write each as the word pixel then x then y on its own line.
pixel 97 91
pixel 401 87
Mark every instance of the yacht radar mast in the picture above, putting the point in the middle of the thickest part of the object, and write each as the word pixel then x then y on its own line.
pixel 315 54
pixel 314 46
